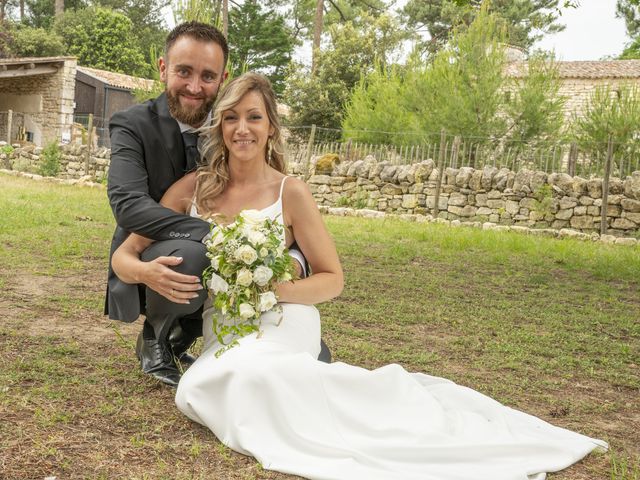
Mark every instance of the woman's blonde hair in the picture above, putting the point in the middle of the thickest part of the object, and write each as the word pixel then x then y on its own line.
pixel 212 178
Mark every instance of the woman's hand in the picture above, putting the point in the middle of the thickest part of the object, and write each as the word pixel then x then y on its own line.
pixel 174 286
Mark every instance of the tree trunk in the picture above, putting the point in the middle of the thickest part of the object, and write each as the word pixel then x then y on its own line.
pixel 21 10
pixel 317 33
pixel 225 18
pixel 59 7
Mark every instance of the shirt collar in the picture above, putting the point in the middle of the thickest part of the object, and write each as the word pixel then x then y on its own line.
pixel 188 128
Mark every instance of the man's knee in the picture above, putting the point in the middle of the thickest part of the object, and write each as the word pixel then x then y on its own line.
pixel 194 258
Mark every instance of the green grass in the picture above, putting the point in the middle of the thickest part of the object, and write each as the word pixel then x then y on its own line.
pixel 547 326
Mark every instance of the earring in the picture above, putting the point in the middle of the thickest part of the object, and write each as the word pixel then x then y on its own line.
pixel 269 149
pixel 223 155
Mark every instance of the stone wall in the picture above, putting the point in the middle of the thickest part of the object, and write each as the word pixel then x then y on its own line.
pixel 578 91
pixel 72 163
pixel 526 198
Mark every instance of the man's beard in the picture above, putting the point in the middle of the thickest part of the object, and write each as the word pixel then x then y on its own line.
pixel 188 116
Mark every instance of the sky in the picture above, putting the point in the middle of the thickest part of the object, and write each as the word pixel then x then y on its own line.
pixel 592 32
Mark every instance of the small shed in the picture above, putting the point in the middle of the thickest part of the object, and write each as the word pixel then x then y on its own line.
pixel 102 93
pixel 37 98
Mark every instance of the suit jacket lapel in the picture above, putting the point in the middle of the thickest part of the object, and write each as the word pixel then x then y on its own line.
pixel 169 132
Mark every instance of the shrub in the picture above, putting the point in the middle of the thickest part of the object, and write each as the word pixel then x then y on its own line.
pixel 50 160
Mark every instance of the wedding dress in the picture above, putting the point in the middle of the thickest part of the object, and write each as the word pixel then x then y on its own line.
pixel 270 398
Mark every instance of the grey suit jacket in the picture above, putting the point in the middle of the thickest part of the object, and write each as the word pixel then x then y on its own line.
pixel 147 157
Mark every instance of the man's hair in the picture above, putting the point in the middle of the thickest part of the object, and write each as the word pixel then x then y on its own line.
pixel 198 31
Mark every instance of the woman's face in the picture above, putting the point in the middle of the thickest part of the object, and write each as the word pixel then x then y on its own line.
pixel 246 128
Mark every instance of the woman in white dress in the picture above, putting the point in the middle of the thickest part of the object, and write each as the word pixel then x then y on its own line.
pixel 270 398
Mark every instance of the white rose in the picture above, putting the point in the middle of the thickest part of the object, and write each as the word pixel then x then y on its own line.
pixel 252 217
pixel 215 262
pixel 263 252
pixel 244 277
pixel 268 300
pixel 215 237
pixel 262 275
pixel 246 311
pixel 256 237
pixel 246 254
pixel 217 284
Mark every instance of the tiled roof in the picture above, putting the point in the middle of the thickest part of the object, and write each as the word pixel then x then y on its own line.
pixel 585 69
pixel 23 60
pixel 118 79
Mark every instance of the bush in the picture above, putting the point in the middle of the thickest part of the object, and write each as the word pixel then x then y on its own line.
pixel 50 160
pixel 37 42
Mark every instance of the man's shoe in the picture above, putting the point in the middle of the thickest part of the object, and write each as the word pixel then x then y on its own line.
pixel 180 342
pixel 157 360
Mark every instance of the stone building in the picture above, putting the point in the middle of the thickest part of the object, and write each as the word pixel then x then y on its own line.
pixel 581 78
pixel 41 93
pixel 46 95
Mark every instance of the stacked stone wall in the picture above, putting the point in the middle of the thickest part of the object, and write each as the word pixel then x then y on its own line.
pixel 525 198
pixel 73 162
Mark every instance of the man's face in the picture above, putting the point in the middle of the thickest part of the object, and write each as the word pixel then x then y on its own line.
pixel 192 73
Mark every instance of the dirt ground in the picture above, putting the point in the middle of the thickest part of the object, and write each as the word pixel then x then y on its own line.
pixel 75 406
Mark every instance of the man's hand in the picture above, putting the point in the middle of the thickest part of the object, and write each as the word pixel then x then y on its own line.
pixel 174 286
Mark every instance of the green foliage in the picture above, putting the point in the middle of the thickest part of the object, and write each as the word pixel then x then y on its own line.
pixel 102 38
pixel 544 200
pixel 300 14
pixel 195 10
pixel 535 111
pixel 525 20
pixel 631 51
pixel 609 112
pixel 319 98
pixel 50 160
pixel 380 108
pixel 629 10
pixel 37 42
pixel 259 41
pixel 40 13
pixel 458 91
pixel 6 149
pixel 463 90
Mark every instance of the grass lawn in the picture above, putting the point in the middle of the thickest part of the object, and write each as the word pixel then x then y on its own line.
pixel 551 327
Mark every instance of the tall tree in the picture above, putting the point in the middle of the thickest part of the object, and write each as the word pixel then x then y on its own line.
pixel 317 34
pixel 101 38
pixel 59 7
pixel 259 41
pixel 352 52
pixel 526 20
pixel 629 11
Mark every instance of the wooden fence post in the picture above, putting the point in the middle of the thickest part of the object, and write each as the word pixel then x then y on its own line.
pixel 87 153
pixel 307 160
pixel 9 122
pixel 605 187
pixel 573 159
pixel 456 149
pixel 441 155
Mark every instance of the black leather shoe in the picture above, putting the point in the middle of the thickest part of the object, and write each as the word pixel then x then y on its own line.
pixel 157 360
pixel 180 341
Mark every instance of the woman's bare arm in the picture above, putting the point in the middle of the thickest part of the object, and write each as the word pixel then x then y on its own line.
pixel 309 231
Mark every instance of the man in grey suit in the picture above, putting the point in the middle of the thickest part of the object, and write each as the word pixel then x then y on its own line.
pixel 152 146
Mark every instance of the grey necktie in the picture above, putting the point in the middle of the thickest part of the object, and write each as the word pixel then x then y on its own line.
pixel 191 153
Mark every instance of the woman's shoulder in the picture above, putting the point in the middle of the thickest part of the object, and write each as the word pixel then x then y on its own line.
pixel 294 187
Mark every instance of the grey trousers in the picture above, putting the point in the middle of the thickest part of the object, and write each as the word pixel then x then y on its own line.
pixel 161 313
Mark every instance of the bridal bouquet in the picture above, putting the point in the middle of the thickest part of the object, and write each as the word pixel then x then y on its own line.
pixel 248 259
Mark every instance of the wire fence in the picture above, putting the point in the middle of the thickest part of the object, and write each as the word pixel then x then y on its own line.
pixel 305 143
